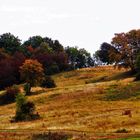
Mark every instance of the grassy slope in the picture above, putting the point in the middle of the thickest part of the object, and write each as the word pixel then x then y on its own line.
pixel 88 100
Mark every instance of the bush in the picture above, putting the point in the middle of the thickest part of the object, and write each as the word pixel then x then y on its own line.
pixel 122 131
pixel 10 95
pixel 51 136
pixel 27 88
pixel 24 109
pixel 48 82
pixel 52 69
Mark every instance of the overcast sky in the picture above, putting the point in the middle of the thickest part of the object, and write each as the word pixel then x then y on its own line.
pixel 82 23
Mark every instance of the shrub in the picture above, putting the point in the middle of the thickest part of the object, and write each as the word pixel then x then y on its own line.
pixel 51 136
pixel 52 69
pixel 12 91
pixel 48 82
pixel 10 94
pixel 122 131
pixel 27 88
pixel 24 109
pixel 137 76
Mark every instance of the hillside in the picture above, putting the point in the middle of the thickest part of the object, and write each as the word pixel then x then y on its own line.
pixel 87 103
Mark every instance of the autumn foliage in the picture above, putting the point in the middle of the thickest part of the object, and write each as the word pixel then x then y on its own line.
pixel 122 51
pixel 51 55
pixel 32 72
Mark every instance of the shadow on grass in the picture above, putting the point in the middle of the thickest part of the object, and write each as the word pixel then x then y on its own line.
pixel 5 100
pixel 121 76
pixel 106 78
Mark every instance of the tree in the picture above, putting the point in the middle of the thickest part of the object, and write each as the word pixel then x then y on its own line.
pixel 25 110
pixel 82 58
pixel 46 59
pixel 3 54
pixel 9 68
pixel 32 72
pixel 37 44
pixel 54 44
pixel 128 47
pixel 61 60
pixel 7 73
pixel 122 51
pixel 104 53
pixel 57 46
pixel 137 67
pixel 10 43
pixel 18 59
pixel 44 48
pixel 78 58
pixel 34 41
pixel 72 55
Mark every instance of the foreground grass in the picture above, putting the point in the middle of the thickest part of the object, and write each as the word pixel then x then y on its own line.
pixel 88 101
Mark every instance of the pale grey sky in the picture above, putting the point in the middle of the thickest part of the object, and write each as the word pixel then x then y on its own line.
pixel 83 23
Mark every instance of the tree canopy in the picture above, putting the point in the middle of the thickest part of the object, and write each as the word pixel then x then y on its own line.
pixel 53 58
pixel 32 72
pixel 123 49
pixel 10 43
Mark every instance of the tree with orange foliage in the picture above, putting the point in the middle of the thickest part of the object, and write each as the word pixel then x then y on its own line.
pixel 128 47
pixel 32 72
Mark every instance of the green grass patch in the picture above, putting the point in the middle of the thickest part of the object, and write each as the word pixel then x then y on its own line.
pixel 129 139
pixel 119 92
pixel 137 138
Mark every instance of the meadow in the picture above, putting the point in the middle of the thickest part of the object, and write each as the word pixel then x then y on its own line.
pixel 89 103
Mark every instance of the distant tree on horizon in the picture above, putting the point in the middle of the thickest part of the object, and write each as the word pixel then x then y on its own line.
pixel 10 43
pixel 79 58
pixel 122 51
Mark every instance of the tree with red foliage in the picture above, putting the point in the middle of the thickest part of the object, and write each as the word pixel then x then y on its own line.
pixel 7 75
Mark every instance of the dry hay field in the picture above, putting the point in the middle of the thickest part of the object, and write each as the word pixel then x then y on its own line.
pixel 90 103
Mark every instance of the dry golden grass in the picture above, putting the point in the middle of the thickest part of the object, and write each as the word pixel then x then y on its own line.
pixel 76 106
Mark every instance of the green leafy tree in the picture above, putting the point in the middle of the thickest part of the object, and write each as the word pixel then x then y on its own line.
pixel 72 55
pixel 57 46
pixel 79 58
pixel 104 53
pixel 10 43
pixel 54 44
pixel 34 41
pixel 25 110
pixel 43 49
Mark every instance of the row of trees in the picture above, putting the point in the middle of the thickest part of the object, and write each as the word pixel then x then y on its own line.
pixel 50 53
pixel 123 51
